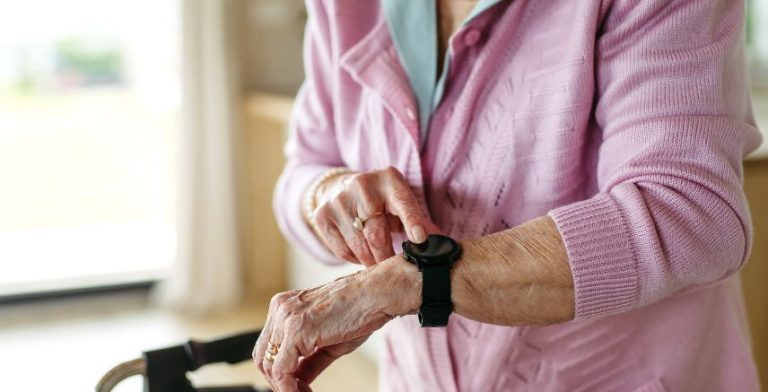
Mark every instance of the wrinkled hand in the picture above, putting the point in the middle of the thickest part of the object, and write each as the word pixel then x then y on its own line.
pixel 382 196
pixel 314 327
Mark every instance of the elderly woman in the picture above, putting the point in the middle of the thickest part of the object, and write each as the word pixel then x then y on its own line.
pixel 566 176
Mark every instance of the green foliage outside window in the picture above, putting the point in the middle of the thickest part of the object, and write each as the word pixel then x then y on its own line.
pixel 94 64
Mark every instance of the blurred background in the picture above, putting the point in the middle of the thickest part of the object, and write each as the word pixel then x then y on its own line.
pixel 139 145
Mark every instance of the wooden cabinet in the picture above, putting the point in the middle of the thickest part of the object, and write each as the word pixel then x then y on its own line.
pixel 264 123
pixel 755 273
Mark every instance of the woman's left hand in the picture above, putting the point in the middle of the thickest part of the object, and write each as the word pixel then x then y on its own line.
pixel 310 328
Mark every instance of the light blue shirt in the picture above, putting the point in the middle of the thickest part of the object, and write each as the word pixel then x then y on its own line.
pixel 413 26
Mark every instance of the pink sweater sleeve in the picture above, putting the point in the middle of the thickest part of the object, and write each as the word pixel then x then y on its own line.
pixel 673 104
pixel 311 149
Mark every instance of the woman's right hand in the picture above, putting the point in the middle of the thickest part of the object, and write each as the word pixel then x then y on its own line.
pixel 383 197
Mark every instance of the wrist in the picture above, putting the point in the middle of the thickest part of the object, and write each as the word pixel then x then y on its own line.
pixel 313 196
pixel 397 286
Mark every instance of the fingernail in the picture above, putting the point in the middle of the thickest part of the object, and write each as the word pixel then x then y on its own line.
pixel 418 233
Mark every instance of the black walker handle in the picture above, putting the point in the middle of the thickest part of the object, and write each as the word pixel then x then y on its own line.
pixel 231 349
pixel 166 368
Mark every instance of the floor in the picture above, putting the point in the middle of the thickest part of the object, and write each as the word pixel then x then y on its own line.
pixel 68 344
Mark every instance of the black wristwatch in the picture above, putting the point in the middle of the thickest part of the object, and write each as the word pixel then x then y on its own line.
pixel 434 258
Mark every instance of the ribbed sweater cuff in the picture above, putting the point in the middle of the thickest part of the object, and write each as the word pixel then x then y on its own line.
pixel 599 250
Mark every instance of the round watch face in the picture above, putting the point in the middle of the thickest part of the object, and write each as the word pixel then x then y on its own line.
pixel 437 248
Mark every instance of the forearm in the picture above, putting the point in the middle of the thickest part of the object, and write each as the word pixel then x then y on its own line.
pixel 519 276
pixel 516 277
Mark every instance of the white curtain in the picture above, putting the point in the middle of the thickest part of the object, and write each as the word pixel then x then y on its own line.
pixel 207 276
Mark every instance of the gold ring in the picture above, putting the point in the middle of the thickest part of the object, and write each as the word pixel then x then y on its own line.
pixel 273 348
pixel 359 222
pixel 269 356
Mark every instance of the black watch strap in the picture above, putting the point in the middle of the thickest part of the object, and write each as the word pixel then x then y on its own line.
pixel 436 304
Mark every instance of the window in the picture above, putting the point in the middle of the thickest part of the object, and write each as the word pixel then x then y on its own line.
pixel 757 41
pixel 757 53
pixel 89 114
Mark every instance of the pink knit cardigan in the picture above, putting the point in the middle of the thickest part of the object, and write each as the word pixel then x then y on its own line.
pixel 626 121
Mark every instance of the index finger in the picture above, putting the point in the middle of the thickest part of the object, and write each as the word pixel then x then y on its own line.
pixel 285 365
pixel 312 365
pixel 401 201
pixel 260 347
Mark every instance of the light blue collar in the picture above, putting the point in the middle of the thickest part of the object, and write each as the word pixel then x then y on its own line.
pixel 413 26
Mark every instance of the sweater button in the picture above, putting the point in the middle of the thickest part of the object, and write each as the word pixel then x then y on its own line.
pixel 410 114
pixel 471 37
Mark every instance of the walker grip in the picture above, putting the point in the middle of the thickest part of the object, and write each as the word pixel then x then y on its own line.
pixel 231 349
